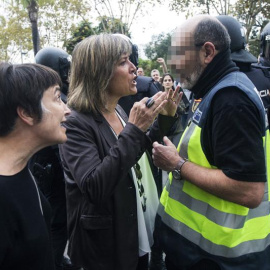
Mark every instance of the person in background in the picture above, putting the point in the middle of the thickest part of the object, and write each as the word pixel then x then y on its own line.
pixel 244 59
pixel 156 77
pixel 214 210
pixel 111 194
pixel 167 82
pixel 31 118
pixel 264 57
pixel 46 165
pixel 140 72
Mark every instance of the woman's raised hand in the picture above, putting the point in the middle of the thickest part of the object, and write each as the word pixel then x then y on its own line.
pixel 174 97
pixel 144 112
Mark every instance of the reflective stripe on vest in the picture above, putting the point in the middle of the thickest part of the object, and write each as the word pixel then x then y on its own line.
pixel 220 227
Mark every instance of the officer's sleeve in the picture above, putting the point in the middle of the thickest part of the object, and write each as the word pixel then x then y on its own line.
pixel 234 140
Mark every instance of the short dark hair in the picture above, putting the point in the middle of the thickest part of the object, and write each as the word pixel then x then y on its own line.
pixel 212 30
pixel 23 86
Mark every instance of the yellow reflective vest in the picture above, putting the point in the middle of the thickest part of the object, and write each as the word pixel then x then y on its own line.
pixel 217 226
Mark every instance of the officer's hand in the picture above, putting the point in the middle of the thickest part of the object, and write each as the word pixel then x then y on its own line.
pixel 165 156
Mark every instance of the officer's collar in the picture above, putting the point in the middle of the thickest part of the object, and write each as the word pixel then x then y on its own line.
pixel 220 66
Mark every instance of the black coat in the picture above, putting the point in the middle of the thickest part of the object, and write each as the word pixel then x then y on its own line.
pixel 101 198
pixel 146 87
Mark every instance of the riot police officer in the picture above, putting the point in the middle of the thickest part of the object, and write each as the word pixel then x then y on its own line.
pixel 46 166
pixel 245 60
pixel 264 58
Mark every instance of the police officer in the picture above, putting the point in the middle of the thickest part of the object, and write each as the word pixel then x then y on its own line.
pixel 264 59
pixel 46 167
pixel 245 60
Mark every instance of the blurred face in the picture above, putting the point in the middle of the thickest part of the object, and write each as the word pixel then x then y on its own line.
pixel 155 76
pixel 185 58
pixel 167 82
pixel 50 129
pixel 123 81
pixel 140 72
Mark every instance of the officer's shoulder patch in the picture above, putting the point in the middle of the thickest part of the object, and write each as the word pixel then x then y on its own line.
pixel 197 116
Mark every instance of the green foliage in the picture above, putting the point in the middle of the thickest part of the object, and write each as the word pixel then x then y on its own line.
pixel 251 13
pixel 254 47
pixel 158 47
pixel 15 37
pixel 255 40
pixel 85 29
pixel 190 7
pixel 147 66
pixel 56 22
pixel 112 25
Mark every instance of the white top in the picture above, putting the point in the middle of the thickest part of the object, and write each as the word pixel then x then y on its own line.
pixel 146 220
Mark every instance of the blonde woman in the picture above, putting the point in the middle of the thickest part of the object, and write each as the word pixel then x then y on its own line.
pixel 111 194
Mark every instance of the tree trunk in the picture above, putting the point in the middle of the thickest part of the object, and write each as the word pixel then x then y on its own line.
pixel 33 16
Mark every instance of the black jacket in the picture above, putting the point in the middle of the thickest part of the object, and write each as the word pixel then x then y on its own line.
pixel 101 198
pixel 146 87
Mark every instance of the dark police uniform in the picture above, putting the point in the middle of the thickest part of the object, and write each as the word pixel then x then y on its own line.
pixel 146 87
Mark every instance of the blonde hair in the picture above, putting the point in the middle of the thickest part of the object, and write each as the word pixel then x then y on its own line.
pixel 93 63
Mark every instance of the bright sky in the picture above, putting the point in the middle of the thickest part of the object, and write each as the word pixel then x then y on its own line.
pixel 158 20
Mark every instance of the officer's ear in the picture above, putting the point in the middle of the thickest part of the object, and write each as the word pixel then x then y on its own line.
pixel 209 52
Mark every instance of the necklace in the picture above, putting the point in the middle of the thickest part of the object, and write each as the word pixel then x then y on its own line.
pixel 137 170
pixel 138 173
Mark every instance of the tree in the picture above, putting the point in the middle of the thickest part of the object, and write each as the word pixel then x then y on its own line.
pixel 15 38
pixel 147 66
pixel 112 25
pixel 86 29
pixel 60 19
pixel 32 8
pixel 246 11
pixel 158 47
pixel 251 12
pixel 124 11
pixel 212 7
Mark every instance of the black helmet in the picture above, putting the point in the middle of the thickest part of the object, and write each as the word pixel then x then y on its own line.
pixel 265 46
pixel 134 57
pixel 238 41
pixel 55 58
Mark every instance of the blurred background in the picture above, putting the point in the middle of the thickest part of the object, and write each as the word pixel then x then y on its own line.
pixel 26 26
